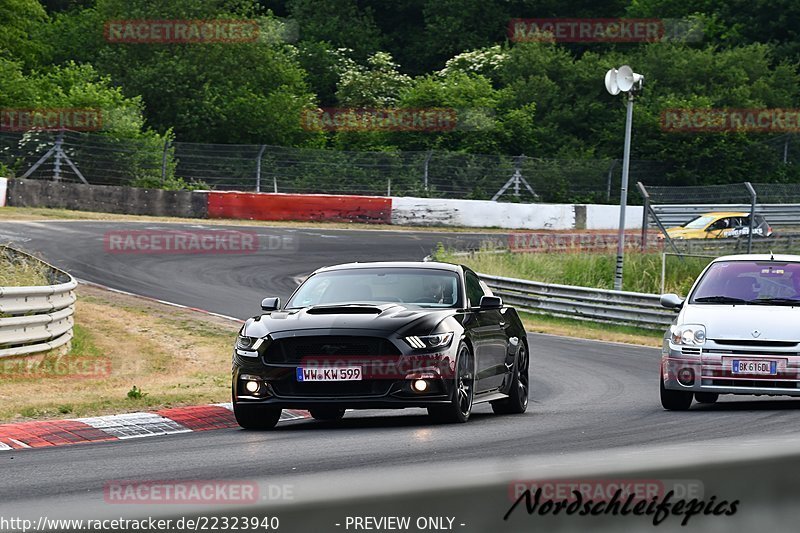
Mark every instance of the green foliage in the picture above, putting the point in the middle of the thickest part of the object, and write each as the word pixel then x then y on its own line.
pixel 642 272
pixel 19 19
pixel 543 100
pixel 171 183
pixel 136 393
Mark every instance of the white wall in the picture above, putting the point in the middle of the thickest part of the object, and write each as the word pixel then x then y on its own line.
pixel 486 214
pixel 3 190
pixel 607 217
pixel 481 214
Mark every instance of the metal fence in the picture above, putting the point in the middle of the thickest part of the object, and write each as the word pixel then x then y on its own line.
pixel 101 160
pixel 585 303
pixel 36 319
pixel 778 202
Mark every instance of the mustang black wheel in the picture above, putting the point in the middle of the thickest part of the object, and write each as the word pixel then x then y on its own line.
pixel 706 397
pixel 460 406
pixel 517 401
pixel 256 416
pixel 326 413
pixel 675 400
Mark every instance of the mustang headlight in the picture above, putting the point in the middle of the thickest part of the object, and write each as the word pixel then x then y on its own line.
pixel 248 344
pixel 439 340
pixel 688 334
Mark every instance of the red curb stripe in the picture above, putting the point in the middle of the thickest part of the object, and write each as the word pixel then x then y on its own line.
pixel 50 433
pixel 201 418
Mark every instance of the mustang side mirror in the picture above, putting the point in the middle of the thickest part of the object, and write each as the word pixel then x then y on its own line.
pixel 671 301
pixel 270 304
pixel 491 302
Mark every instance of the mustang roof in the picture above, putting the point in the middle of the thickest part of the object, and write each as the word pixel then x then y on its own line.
pixel 431 265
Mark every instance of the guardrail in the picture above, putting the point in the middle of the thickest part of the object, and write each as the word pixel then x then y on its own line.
pixel 585 303
pixel 36 319
pixel 779 243
pixel 776 214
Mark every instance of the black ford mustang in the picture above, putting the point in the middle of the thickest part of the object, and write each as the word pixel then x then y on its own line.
pixel 381 335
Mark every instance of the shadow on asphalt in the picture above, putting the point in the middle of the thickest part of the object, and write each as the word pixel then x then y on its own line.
pixel 357 421
pixel 735 404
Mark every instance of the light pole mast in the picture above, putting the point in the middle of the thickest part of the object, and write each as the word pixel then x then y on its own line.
pixel 627 81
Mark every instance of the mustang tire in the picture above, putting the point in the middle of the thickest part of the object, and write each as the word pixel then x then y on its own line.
pixel 256 416
pixel 517 401
pixel 460 406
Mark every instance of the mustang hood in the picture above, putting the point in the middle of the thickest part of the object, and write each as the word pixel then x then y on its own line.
pixel 738 322
pixel 380 318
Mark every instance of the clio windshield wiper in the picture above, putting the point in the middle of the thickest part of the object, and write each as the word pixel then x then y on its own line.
pixel 720 300
pixel 776 301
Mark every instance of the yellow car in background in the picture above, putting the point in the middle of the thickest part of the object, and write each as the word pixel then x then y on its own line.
pixel 721 225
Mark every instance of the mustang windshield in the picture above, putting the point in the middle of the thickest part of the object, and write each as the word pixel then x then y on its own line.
pixel 419 286
pixel 749 282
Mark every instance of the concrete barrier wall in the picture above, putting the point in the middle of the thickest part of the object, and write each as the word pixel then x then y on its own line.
pixel 607 217
pixel 317 207
pixel 107 199
pixel 3 191
pixel 481 213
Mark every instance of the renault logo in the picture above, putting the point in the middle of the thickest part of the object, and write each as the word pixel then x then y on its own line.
pixel 756 333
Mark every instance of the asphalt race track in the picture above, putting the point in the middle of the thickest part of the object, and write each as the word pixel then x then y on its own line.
pixel 585 395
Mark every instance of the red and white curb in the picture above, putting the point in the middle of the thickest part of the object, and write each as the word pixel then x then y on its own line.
pixel 46 434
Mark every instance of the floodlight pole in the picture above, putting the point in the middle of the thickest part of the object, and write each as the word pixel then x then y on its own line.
pixel 623 195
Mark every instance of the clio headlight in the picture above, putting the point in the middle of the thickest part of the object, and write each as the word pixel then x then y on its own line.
pixel 688 334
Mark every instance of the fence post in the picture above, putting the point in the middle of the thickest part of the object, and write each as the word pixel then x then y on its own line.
pixel 608 183
pixel 389 186
pixel 786 149
pixel 645 213
pixel 658 222
pixel 258 167
pixel 427 161
pixel 753 197
pixel 58 155
pixel 164 161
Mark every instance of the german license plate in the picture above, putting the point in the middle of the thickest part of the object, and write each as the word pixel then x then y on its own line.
pixel 766 368
pixel 340 373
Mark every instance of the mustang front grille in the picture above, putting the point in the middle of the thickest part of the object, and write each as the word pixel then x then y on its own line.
pixel 298 349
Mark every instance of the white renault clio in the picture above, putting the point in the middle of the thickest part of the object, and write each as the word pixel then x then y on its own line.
pixel 738 332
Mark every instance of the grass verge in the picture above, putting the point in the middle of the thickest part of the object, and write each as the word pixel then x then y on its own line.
pixel 128 354
pixel 20 272
pixel 584 329
pixel 642 270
